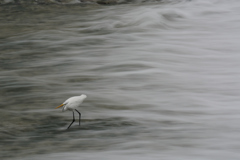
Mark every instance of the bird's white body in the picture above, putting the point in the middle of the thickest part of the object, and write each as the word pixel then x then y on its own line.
pixel 73 102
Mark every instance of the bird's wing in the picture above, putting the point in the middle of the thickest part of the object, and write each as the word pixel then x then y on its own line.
pixel 69 100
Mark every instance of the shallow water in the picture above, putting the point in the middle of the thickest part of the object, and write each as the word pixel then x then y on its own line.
pixel 162 80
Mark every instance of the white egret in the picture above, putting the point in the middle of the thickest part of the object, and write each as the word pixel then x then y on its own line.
pixel 72 104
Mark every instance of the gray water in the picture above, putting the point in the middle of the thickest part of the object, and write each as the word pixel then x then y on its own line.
pixel 162 80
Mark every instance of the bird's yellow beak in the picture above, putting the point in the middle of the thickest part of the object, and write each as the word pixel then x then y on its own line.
pixel 59 106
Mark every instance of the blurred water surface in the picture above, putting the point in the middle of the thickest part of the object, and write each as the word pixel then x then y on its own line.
pixel 162 80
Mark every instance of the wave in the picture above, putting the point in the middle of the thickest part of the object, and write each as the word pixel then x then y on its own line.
pixel 64 2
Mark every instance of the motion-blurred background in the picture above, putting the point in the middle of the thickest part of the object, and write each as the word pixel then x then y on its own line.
pixel 162 80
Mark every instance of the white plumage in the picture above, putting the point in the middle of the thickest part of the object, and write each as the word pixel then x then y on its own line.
pixel 72 104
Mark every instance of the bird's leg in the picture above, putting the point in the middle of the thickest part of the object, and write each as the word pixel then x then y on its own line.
pixel 72 120
pixel 79 116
